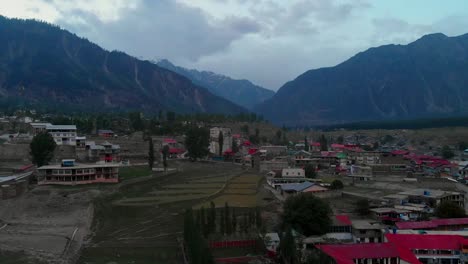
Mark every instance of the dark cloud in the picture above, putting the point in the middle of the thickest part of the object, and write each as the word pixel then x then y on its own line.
pixel 163 29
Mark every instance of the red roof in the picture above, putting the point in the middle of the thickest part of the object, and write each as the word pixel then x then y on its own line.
pixel 344 219
pixel 247 143
pixel 432 223
pixel 176 150
pixel 236 135
pixel 400 152
pixel 169 140
pixel 440 242
pixel 337 145
pixel 345 254
pixel 315 144
pixel 253 150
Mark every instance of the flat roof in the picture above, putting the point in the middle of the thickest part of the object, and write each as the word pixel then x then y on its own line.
pixel 366 224
pixel 64 127
pixel 389 209
pixel 429 193
pixel 79 166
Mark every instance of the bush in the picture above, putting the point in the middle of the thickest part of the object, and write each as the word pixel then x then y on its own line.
pixel 447 153
pixel 310 172
pixel 307 214
pixel 363 207
pixel 449 209
pixel 336 185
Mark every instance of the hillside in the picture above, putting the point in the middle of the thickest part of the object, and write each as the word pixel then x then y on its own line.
pixel 44 66
pixel 426 78
pixel 241 92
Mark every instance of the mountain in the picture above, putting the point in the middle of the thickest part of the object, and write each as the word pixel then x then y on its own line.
pixel 44 66
pixel 241 92
pixel 426 78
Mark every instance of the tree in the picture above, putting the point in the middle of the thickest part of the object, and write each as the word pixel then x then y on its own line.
pixel 165 152
pixel 288 247
pixel 196 142
pixel 42 148
pixel 235 147
pixel 447 153
pixel 220 142
pixel 336 185
pixel 462 145
pixel 234 221
pixel 363 207
pixel 136 121
pixel 212 217
pixel 306 144
pixel 227 219
pixel 323 143
pixel 245 129
pixel 150 153
pixel 340 140
pixel 310 171
pixel 222 222
pixel 306 213
pixel 449 209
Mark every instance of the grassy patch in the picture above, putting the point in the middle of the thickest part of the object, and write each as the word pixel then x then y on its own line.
pixel 126 173
pixel 117 255
pixel 17 258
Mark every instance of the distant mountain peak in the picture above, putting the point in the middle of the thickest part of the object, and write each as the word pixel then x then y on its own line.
pixel 241 92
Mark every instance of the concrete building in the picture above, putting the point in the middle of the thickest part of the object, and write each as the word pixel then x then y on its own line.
pixel 214 142
pixel 105 152
pixel 433 198
pixel 367 231
pixel 293 173
pixel 70 173
pixel 63 134
pixel 39 127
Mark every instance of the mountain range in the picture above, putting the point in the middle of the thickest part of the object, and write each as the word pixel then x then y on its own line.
pixel 426 78
pixel 42 65
pixel 241 92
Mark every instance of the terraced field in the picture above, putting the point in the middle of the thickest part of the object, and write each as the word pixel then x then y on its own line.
pixel 143 221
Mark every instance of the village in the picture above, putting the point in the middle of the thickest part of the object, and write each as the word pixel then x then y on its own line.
pixel 386 197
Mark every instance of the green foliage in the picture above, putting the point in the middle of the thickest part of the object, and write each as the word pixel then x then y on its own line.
pixel 363 207
pixel 150 153
pixel 462 145
pixel 136 121
pixel 42 149
pixel 288 247
pixel 449 209
pixel 336 185
pixel 447 153
pixel 340 140
pixel 165 152
pixel 235 147
pixel 220 142
pixel 310 171
pixel 197 247
pixel 196 142
pixel 323 143
pixel 245 129
pixel 308 214
pixel 306 144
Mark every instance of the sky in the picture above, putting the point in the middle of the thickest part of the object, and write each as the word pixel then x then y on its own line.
pixel 268 42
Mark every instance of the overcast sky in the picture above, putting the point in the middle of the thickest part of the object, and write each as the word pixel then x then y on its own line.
pixel 266 41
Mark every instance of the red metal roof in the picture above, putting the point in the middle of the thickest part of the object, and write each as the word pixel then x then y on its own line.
pixel 169 140
pixel 315 144
pixel 345 254
pixel 344 219
pixel 440 242
pixel 400 152
pixel 432 223
pixel 176 150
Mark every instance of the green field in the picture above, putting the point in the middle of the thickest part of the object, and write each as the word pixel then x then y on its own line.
pixel 126 173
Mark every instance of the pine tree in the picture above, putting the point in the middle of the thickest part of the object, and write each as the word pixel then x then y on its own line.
pixel 220 142
pixel 213 217
pixel 227 219
pixel 288 247
pixel 306 144
pixel 234 221
pixel 222 223
pixel 258 218
pixel 150 153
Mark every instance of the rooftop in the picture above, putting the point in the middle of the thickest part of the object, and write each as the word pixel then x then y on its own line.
pixel 428 193
pixel 61 127
pixel 79 166
pixel 298 187
pixel 432 223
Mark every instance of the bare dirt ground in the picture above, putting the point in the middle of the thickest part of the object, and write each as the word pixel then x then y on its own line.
pixel 46 225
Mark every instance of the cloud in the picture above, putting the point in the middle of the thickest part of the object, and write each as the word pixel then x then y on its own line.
pixel 162 29
pixel 397 31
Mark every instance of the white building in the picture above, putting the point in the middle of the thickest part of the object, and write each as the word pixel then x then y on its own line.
pixel 63 134
pixel 293 173
pixel 214 142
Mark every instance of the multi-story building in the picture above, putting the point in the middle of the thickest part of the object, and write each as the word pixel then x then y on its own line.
pixel 433 198
pixel 63 134
pixel 70 173
pixel 39 127
pixel 214 139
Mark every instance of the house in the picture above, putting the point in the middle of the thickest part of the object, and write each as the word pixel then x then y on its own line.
pixel 214 142
pixel 105 152
pixel 389 215
pixel 314 189
pixel 105 133
pixel 273 151
pixel 39 127
pixel 451 224
pixel 272 242
pixel 367 231
pixel 363 253
pixel 62 134
pixel 293 173
pixel 277 164
pixel 293 188
pixel 433 198
pixel 341 228
pixel 80 142
pixel 70 173
pixel 14 185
